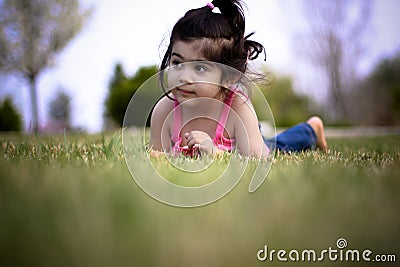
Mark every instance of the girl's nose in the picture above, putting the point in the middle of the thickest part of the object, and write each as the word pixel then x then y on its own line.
pixel 186 75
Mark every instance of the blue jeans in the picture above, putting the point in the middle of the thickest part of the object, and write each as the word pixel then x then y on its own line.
pixel 295 139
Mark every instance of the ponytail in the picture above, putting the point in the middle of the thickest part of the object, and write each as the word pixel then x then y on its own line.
pixel 254 48
pixel 232 9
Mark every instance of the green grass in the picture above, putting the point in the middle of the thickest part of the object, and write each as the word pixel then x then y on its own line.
pixel 70 201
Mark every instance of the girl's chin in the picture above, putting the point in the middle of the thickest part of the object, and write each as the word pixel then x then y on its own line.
pixel 190 102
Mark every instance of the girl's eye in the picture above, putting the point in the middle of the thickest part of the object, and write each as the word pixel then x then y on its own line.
pixel 177 63
pixel 200 68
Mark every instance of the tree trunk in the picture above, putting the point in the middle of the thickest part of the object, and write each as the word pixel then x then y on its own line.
pixel 334 62
pixel 35 118
pixel 337 91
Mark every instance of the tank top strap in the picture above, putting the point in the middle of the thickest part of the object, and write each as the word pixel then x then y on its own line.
pixel 224 115
pixel 177 122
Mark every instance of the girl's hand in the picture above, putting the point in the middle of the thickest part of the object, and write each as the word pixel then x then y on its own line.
pixel 200 140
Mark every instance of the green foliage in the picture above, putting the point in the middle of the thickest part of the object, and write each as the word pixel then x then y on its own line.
pixel 287 107
pixel 378 96
pixel 10 119
pixel 121 90
pixel 387 78
pixel 60 111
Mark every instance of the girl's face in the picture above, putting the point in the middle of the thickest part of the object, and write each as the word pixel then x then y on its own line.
pixel 190 74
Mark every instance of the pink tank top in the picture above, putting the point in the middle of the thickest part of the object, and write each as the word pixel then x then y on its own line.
pixel 220 141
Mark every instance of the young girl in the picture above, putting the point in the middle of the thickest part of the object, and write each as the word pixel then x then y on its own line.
pixel 205 111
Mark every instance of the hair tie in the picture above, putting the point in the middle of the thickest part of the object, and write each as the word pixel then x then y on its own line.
pixel 210 5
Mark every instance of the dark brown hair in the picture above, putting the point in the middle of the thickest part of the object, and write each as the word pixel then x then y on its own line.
pixel 223 35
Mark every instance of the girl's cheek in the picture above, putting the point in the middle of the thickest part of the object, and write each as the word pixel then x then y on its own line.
pixel 172 80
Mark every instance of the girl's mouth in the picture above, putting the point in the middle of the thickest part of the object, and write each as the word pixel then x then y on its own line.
pixel 185 92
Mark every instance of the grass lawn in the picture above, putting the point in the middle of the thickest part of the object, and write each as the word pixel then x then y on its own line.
pixel 70 201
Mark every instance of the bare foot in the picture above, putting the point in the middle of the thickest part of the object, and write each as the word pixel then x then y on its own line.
pixel 318 127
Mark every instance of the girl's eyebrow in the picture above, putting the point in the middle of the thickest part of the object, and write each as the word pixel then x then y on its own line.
pixel 177 55
pixel 181 57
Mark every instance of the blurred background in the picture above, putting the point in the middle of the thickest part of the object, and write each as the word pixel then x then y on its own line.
pixel 74 64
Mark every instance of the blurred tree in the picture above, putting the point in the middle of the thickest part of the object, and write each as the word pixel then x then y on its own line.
pixel 288 108
pixel 378 96
pixel 60 112
pixel 32 33
pixel 116 101
pixel 121 90
pixel 10 119
pixel 334 42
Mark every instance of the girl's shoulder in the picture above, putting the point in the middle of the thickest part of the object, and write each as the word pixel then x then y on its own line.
pixel 161 110
pixel 242 105
pixel 163 106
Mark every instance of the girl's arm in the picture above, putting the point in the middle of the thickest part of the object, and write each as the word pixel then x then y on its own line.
pixel 160 125
pixel 248 137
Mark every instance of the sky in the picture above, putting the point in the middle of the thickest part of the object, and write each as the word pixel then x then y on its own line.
pixel 132 33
